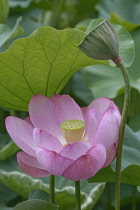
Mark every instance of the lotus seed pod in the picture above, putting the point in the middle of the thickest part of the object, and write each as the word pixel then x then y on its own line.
pixel 72 130
pixel 101 43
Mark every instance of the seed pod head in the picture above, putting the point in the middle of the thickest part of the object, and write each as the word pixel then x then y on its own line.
pixel 101 43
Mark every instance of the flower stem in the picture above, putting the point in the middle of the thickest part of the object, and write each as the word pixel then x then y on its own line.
pixel 77 195
pixel 121 133
pixel 52 184
pixel 133 197
pixel 56 10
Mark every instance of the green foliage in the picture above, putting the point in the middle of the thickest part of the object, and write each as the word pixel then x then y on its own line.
pixel 106 81
pixel 6 195
pixel 28 24
pixel 107 175
pixel 134 107
pixel 8 150
pixel 116 18
pixel 7 34
pixel 119 12
pixel 34 204
pixel 82 25
pixel 21 3
pixel 31 65
pixel 79 91
pixel 7 147
pixel 21 183
pixel 103 81
pixel 29 4
pixel 3 207
pixel 134 122
pixel 93 196
pixel 39 194
pixel 31 74
pixel 27 186
pixel 123 8
pixel 134 69
pixel 4 10
pixel 4 139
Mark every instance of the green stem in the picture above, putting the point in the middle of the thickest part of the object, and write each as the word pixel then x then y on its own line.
pixel 121 134
pixel 56 11
pixel 52 184
pixel 77 195
pixel 133 197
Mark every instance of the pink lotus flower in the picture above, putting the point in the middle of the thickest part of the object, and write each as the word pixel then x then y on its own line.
pixel 62 139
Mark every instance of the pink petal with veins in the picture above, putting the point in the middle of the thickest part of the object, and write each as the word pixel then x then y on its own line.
pixel 30 165
pixel 87 165
pixel 21 133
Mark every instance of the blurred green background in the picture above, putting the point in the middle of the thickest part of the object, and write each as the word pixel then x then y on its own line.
pixel 87 84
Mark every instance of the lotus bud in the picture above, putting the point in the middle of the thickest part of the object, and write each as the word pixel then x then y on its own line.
pixel 101 43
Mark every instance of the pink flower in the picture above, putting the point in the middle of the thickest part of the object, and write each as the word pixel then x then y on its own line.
pixel 62 139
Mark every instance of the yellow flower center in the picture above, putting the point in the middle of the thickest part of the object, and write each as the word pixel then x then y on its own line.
pixel 72 130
